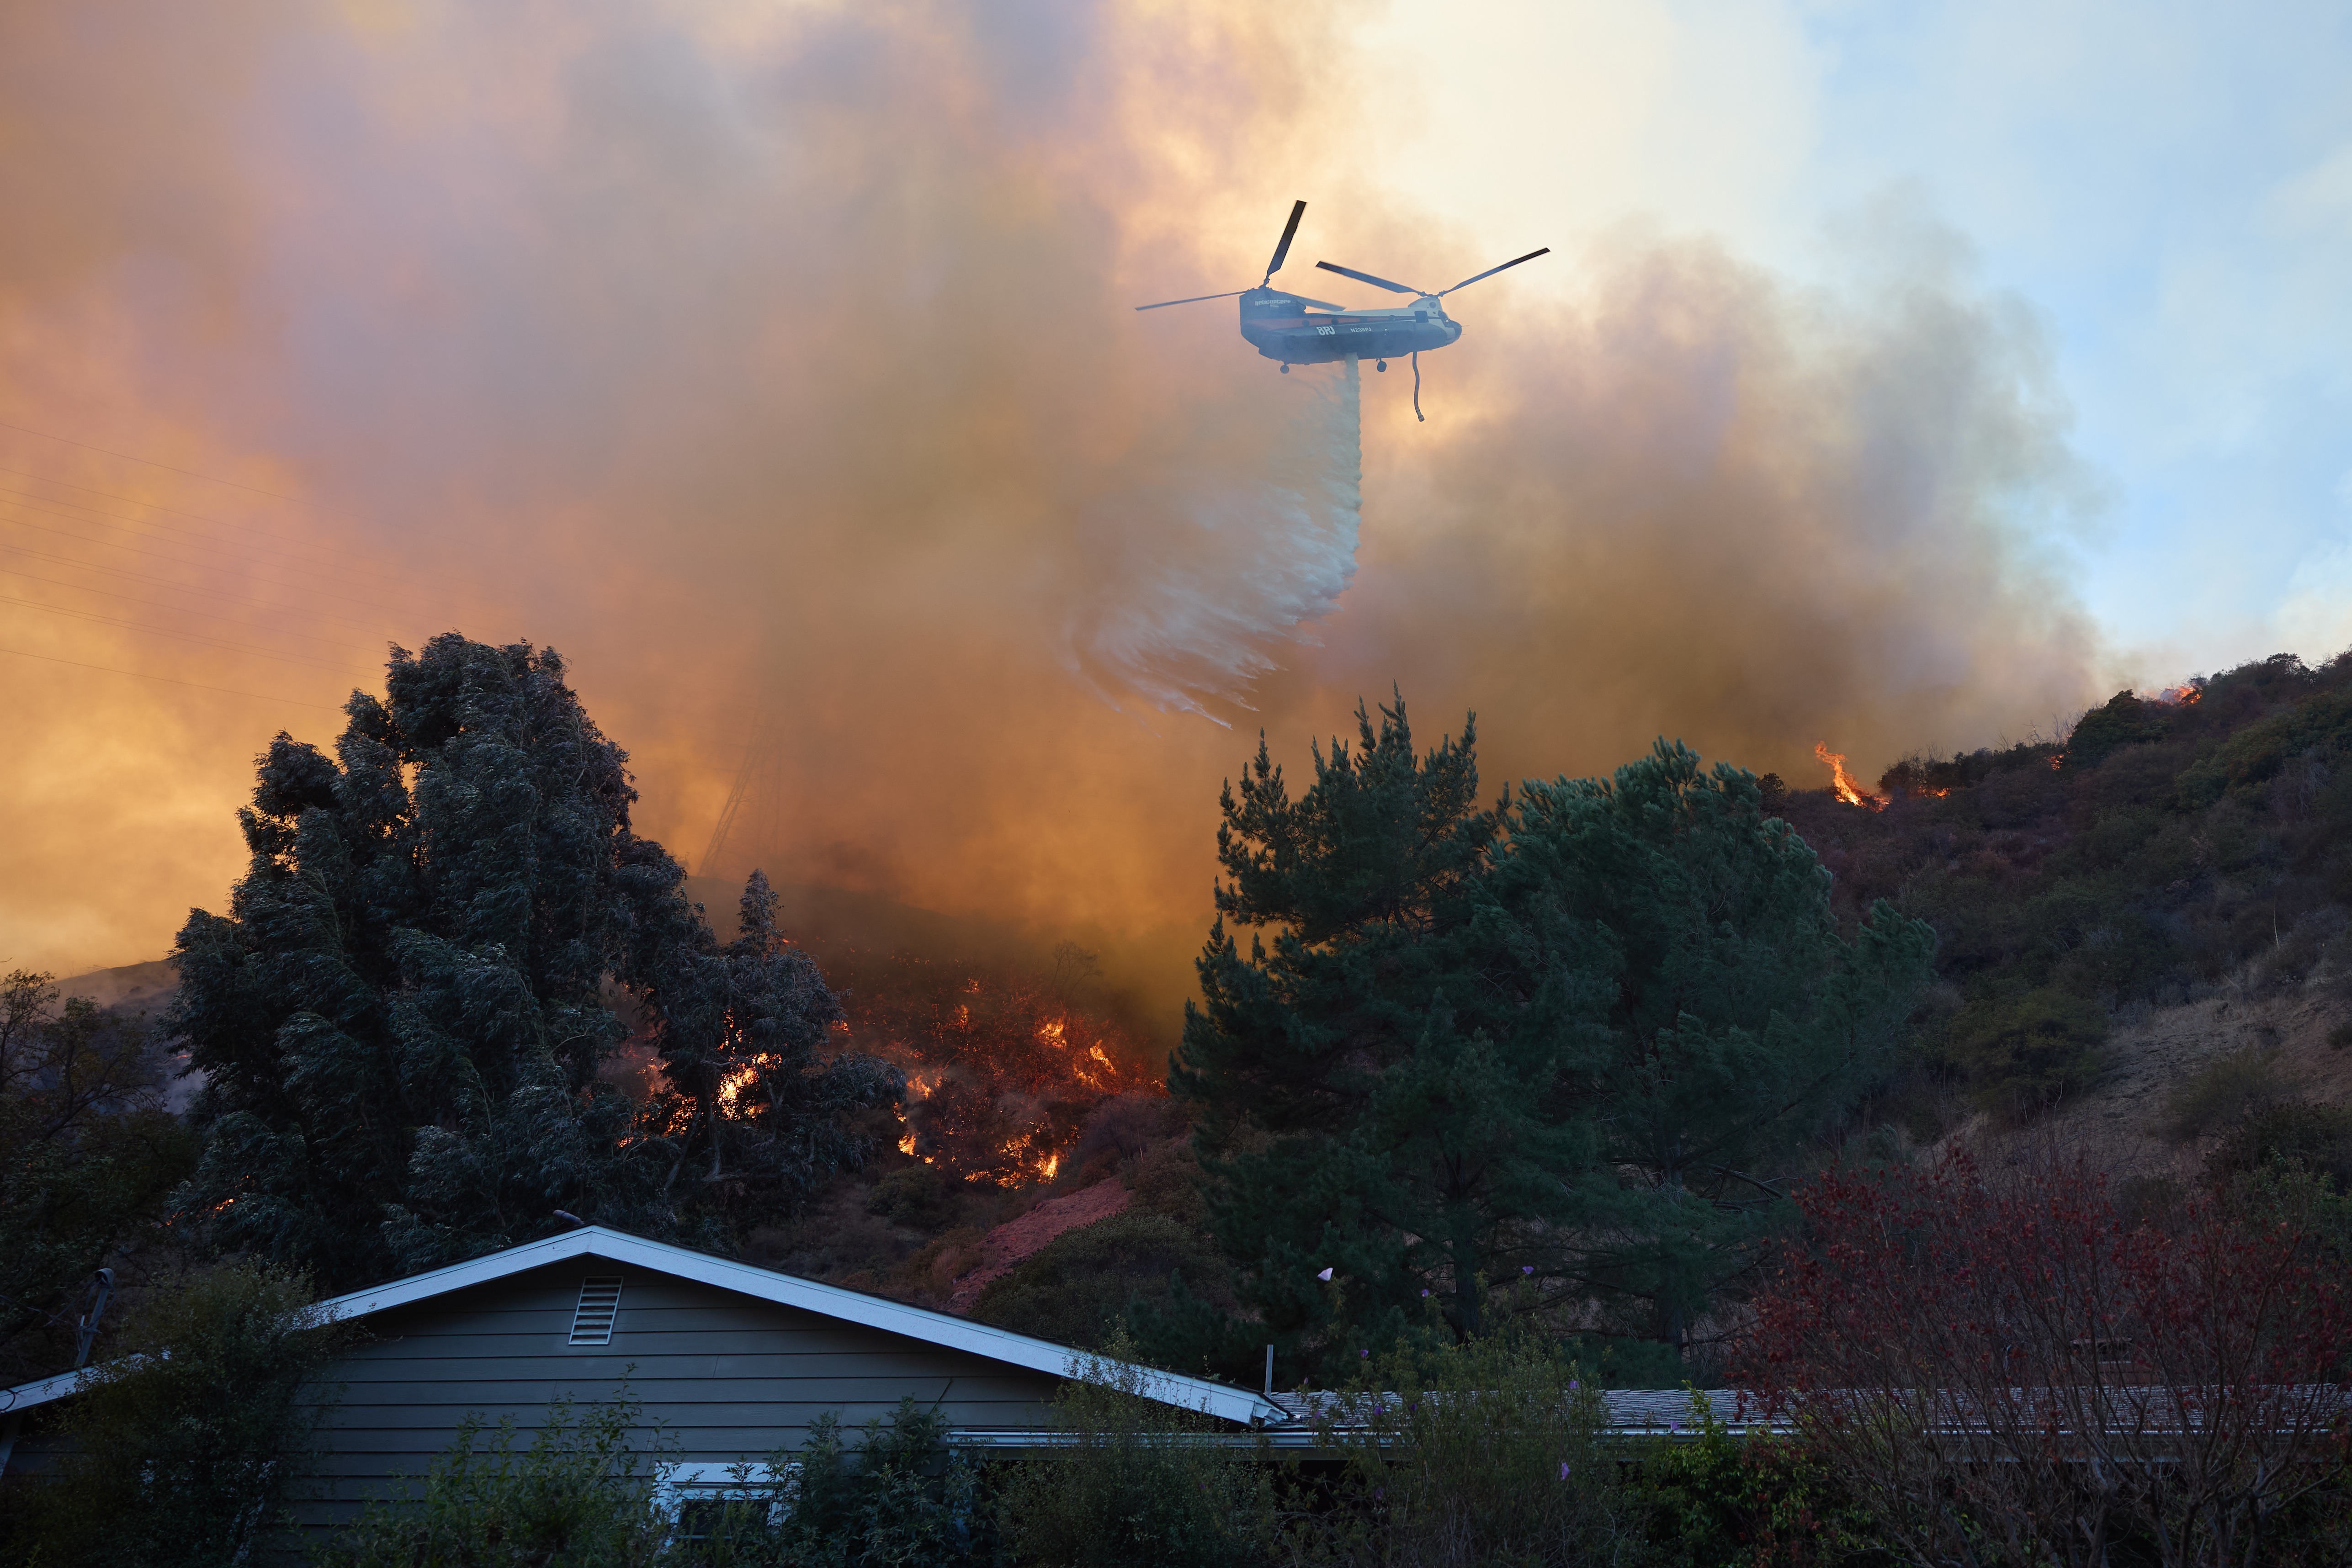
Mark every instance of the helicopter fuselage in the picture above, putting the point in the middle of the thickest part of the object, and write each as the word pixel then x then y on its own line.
pixel 1281 327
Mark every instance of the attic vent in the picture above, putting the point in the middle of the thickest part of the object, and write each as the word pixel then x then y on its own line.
pixel 599 1299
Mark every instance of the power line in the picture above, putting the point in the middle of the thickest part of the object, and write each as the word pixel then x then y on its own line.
pixel 184 609
pixel 183 560
pixel 157 582
pixel 150 463
pixel 169 681
pixel 30 498
pixel 151 505
pixel 139 528
pixel 244 648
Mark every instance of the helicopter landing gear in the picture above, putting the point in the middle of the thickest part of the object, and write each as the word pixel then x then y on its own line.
pixel 1379 364
pixel 1285 367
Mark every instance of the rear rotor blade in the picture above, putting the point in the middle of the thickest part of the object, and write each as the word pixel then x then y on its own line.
pixel 1376 282
pixel 1297 210
pixel 1504 268
pixel 1163 305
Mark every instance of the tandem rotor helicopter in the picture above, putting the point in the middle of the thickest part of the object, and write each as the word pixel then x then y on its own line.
pixel 1280 326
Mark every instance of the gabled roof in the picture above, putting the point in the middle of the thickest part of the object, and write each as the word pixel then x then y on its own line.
pixel 1217 1399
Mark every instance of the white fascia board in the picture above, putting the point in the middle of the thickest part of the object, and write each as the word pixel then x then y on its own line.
pixel 1220 1400
pixel 1217 1399
pixel 25 1395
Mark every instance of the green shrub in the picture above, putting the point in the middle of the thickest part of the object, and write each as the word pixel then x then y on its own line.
pixel 2124 721
pixel 1167 1180
pixel 1755 1502
pixel 899 1499
pixel 2226 1090
pixel 922 1198
pixel 1138 1483
pixel 579 1497
pixel 2317 1138
pixel 2022 1052
pixel 1076 1287
pixel 185 1445
pixel 1486 1452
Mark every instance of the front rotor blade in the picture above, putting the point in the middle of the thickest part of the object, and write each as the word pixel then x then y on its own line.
pixel 1504 268
pixel 1366 277
pixel 1320 304
pixel 1297 210
pixel 1163 305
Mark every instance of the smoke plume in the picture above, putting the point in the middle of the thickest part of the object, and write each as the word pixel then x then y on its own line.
pixel 779 369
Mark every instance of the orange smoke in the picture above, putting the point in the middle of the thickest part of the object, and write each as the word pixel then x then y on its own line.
pixel 1851 793
pixel 777 365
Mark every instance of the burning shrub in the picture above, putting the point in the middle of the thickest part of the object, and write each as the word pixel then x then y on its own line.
pixel 1004 1066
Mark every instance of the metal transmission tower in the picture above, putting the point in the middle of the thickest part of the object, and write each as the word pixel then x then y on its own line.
pixel 754 806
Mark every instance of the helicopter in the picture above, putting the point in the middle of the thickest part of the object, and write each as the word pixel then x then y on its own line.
pixel 1280 325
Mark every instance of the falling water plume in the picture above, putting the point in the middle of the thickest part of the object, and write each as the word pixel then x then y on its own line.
pixel 1235 568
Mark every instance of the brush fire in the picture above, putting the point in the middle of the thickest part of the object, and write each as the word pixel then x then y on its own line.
pixel 1851 793
pixel 1002 1065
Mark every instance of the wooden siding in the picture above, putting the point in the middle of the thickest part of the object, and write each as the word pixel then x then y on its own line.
pixel 720 1376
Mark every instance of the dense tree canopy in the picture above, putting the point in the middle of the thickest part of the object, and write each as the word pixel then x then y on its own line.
pixel 1682 943
pixel 1569 1042
pixel 402 1018
pixel 1358 1116
pixel 87 1153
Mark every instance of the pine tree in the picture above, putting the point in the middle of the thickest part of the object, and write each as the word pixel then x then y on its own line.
pixel 1357 1112
pixel 1717 1014
pixel 402 1018
pixel 1568 1044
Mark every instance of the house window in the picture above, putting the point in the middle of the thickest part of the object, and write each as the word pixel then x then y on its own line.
pixel 599 1299
pixel 710 1500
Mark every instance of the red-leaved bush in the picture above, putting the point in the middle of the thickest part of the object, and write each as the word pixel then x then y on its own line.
pixel 2003 1371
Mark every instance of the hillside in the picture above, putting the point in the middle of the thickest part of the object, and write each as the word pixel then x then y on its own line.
pixel 2145 955
pixel 2143 929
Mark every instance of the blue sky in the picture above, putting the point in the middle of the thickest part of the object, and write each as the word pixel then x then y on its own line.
pixel 2167 187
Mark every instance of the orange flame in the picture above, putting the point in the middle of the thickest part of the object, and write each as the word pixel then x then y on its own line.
pixel 731 1086
pixel 2180 696
pixel 1851 793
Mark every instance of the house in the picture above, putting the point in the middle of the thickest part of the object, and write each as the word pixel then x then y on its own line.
pixel 733 1362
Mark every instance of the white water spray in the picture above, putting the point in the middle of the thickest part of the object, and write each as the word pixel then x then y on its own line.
pixel 1223 574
